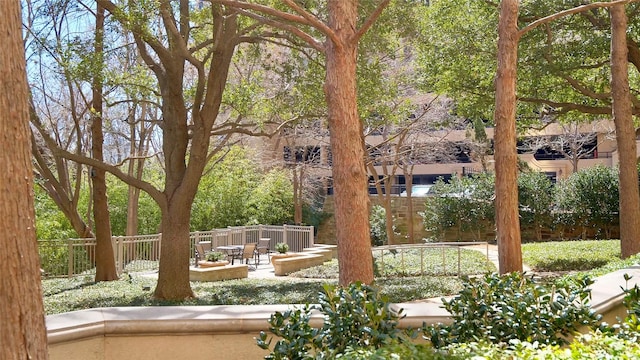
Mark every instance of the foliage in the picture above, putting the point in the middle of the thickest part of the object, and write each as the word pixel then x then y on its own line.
pixel 570 255
pixel 354 317
pixel 224 191
pixel 458 55
pixel 404 351
pixel 591 197
pixel 271 201
pixel 592 346
pixel 148 211
pixel 378 225
pixel 629 327
pixel 499 309
pixel 50 221
pixel 282 248
pixel 216 256
pixel 535 196
pixel 465 203
pixel 587 200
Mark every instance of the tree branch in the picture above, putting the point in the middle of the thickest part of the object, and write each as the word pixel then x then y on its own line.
pixel 370 20
pixel 572 11
pixel 156 194
pixel 290 28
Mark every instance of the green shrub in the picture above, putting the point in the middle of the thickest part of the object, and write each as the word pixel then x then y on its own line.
pixel 282 248
pixel 499 309
pixel 378 225
pixel 466 204
pixel 216 256
pixel 535 197
pixel 593 346
pixel 404 351
pixel 591 197
pixel 355 317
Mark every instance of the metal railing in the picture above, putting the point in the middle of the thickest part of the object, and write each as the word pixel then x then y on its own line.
pixel 405 256
pixel 74 257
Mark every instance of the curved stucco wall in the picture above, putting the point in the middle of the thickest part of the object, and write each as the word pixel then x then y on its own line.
pixel 228 332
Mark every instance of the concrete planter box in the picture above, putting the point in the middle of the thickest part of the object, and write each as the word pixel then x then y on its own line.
pixel 212 263
pixel 278 256
pixel 284 266
pixel 218 273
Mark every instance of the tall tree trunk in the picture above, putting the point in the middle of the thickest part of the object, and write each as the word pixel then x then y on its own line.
pixel 349 174
pixel 173 280
pixel 625 135
pixel 105 259
pixel 22 327
pixel 506 166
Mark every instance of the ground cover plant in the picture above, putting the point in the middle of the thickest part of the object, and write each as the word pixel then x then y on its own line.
pixel 64 295
pixel 69 294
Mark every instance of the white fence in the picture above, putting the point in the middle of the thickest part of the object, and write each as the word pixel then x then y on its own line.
pixel 75 257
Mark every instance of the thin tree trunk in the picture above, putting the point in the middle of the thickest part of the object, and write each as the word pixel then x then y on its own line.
pixel 298 176
pixel 408 175
pixel 625 135
pixel 507 219
pixel 105 259
pixel 349 174
pixel 22 326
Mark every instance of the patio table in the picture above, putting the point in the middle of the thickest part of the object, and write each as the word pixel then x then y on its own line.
pixel 232 251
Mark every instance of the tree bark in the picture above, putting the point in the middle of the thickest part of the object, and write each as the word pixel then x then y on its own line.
pixel 506 166
pixel 347 147
pixel 105 258
pixel 625 135
pixel 22 328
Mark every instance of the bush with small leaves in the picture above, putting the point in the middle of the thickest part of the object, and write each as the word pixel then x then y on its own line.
pixel 499 309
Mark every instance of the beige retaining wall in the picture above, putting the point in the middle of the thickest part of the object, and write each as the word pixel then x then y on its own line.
pixel 228 332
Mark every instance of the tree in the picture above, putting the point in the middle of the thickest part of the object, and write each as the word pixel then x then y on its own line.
pixel 191 115
pixel 572 144
pixel 22 329
pixel 417 135
pixel 506 157
pixel 51 54
pixel 625 133
pixel 507 223
pixel 55 174
pixel 105 257
pixel 342 31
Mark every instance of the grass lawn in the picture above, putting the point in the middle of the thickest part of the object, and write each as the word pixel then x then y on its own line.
pixel 570 255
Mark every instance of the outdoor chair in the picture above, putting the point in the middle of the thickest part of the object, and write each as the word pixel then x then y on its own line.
pixel 200 253
pixel 249 252
pixel 263 248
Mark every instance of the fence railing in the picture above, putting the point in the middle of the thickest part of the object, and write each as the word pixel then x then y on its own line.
pixel 413 258
pixel 73 257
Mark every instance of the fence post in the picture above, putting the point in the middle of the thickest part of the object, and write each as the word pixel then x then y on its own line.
pixel 120 245
pixel 284 235
pixel 311 239
pixel 70 252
